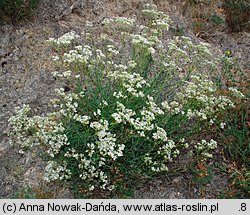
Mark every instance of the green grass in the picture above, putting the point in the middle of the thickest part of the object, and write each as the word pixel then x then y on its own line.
pixel 16 10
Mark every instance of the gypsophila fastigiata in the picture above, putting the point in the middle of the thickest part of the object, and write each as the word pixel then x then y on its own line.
pixel 132 94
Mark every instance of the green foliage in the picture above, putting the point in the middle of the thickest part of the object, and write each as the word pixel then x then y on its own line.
pixel 217 20
pixel 178 30
pixel 202 173
pixel 204 19
pixel 239 181
pixel 237 135
pixel 25 193
pixel 237 14
pixel 236 140
pixel 29 192
pixel 15 10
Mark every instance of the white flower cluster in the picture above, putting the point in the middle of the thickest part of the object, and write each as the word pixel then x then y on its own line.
pixel 91 169
pixel 106 38
pixel 166 151
pixel 123 114
pixel 68 104
pixel 120 23
pixel 163 23
pixel 66 39
pixel 158 162
pixel 151 12
pixel 31 131
pixel 173 107
pixel 132 64
pixel 156 18
pixel 154 165
pixel 203 50
pixel 236 92
pixel 132 83
pixel 204 147
pixel 104 147
pixel 20 120
pixel 181 52
pixel 198 98
pixel 55 171
pixel 67 74
pixel 140 124
pixel 141 40
pixel 112 49
pixel 82 54
pixel 106 142
pixel 55 58
pixel 153 107
pixel 222 125
pixel 160 134
pixel 89 24
pixel 55 143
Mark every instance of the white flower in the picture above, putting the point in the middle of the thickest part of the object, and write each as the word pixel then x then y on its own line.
pixel 160 134
pixel 151 50
pixel 117 117
pixel 236 92
pixel 67 74
pixel 55 58
pixel 222 125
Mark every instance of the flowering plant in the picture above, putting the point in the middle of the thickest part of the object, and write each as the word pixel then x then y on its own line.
pixel 130 96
